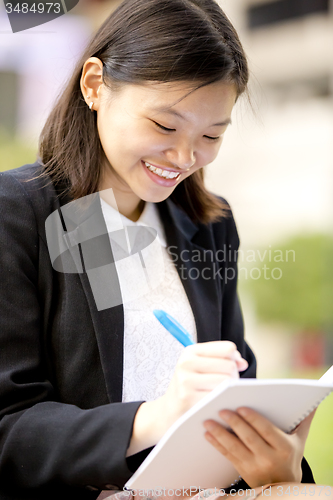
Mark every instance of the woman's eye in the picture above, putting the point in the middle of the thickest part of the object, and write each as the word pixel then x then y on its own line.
pixel 212 138
pixel 164 128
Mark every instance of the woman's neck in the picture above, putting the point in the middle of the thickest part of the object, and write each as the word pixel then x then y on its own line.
pixel 135 214
pixel 125 205
pixel 127 202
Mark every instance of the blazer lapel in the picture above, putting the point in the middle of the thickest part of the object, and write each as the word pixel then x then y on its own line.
pixel 109 329
pixel 90 220
pixel 194 262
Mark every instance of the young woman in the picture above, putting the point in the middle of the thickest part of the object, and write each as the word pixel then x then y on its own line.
pixel 90 381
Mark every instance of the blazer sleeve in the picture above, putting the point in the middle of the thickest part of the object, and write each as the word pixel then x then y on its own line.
pixel 43 441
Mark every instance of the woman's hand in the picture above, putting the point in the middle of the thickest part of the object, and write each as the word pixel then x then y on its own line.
pixel 200 368
pixel 260 451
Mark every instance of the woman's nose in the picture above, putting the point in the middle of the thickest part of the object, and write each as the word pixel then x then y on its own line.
pixel 182 156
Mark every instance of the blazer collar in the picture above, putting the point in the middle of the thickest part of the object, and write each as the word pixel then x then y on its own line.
pixel 180 219
pixel 196 267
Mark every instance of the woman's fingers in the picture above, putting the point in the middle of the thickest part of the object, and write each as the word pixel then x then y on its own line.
pixel 219 349
pixel 214 365
pixel 260 425
pixel 218 365
pixel 242 365
pixel 215 348
pixel 259 450
pixel 247 435
pixel 202 381
pixel 200 369
pixel 226 443
pixel 251 431
pixel 213 357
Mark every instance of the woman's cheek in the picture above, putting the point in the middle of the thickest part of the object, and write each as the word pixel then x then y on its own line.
pixel 206 157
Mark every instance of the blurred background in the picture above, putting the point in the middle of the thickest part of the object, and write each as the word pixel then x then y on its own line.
pixel 275 169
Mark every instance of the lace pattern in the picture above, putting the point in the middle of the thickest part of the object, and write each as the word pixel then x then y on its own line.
pixel 150 352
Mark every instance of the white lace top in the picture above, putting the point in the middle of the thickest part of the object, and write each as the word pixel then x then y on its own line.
pixel 148 280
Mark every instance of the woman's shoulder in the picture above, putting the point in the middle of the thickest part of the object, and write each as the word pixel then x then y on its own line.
pixel 30 178
pixel 27 171
pixel 27 190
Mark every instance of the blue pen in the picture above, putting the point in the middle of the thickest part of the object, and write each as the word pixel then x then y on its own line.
pixel 173 327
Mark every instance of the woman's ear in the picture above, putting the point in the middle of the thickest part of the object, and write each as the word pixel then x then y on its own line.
pixel 91 81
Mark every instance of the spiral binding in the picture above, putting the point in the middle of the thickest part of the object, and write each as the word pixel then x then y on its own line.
pixel 236 481
pixel 297 422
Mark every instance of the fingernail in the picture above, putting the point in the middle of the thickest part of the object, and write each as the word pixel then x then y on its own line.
pixel 225 415
pixel 235 356
pixel 243 363
pixel 210 426
pixel 243 412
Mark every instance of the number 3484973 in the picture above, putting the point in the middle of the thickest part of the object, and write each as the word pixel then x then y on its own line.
pixel 35 8
pixel 305 490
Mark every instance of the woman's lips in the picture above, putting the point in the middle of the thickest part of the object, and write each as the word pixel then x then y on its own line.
pixel 162 181
pixel 168 169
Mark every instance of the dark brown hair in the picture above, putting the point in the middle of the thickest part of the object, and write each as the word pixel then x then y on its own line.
pixel 144 40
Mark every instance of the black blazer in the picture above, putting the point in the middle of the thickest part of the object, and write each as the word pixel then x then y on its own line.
pixel 63 429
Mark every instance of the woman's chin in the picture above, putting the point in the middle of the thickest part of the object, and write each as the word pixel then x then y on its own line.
pixel 154 197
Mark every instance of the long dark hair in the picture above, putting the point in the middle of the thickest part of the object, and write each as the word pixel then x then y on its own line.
pixel 144 40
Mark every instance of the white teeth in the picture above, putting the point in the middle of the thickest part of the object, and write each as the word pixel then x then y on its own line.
pixel 162 173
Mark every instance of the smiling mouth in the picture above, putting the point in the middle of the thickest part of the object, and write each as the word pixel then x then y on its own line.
pixel 165 174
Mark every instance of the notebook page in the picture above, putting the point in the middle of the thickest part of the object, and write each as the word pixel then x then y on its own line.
pixel 183 457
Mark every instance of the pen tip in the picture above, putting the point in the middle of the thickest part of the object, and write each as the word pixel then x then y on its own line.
pixel 160 314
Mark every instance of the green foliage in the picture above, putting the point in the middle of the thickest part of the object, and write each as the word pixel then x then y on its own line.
pixel 318 448
pixel 14 153
pixel 302 296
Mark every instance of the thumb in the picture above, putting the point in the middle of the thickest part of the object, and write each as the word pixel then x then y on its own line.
pixel 302 430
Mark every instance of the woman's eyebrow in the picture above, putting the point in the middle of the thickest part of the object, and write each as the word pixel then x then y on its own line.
pixel 173 112
pixel 222 124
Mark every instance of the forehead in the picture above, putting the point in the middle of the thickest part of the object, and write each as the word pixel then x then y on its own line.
pixel 181 99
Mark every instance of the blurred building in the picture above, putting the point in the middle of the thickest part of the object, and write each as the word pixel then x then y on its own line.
pixel 34 65
pixel 276 165
pixel 290 44
pixel 97 10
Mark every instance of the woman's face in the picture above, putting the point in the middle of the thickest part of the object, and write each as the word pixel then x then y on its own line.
pixel 154 137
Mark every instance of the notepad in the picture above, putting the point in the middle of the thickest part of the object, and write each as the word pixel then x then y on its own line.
pixel 183 458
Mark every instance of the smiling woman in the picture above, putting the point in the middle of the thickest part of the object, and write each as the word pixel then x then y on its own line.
pixel 149 152
pixel 201 48
pixel 88 386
